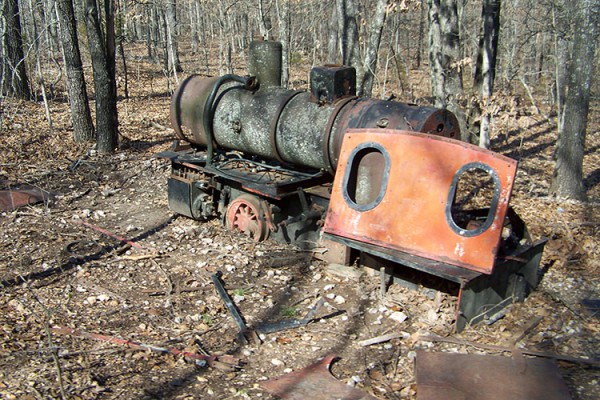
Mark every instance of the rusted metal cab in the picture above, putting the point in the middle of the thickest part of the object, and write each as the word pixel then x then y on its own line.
pixel 400 198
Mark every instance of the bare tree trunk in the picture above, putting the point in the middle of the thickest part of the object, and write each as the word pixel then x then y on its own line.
pixel 38 69
pixel 264 23
pixel 365 86
pixel 489 50
pixel 436 59
pixel 225 65
pixel 193 4
pixel 568 173
pixel 561 49
pixel 333 37
pixel 14 76
pixel 421 34
pixel 102 50
pixel 445 60
pixel 283 12
pixel 171 37
pixel 83 127
pixel 347 11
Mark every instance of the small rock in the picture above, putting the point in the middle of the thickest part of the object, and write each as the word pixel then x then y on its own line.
pixel 432 316
pixel 398 316
pixel 276 362
pixel 344 271
pixel 103 297
pixel 328 287
pixel 237 298
pixel 339 300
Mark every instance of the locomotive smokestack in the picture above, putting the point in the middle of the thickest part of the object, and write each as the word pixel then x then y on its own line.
pixel 264 62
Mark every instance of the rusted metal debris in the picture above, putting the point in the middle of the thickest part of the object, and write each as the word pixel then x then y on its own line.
pixel 452 376
pixel 11 199
pixel 113 235
pixel 266 327
pixel 224 362
pixel 314 382
pixel 239 321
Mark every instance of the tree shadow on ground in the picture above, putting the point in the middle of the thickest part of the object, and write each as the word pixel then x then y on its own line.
pixel 78 260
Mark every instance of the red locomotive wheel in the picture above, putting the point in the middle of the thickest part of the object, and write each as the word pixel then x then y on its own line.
pixel 243 215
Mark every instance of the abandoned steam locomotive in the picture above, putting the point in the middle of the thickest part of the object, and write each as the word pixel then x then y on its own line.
pixel 357 176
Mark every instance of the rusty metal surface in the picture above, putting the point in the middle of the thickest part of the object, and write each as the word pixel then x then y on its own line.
pixel 287 126
pixel 411 213
pixel 244 215
pixel 329 83
pixel 445 376
pixel 11 199
pixel 513 278
pixel 314 382
pixel 187 108
pixel 373 113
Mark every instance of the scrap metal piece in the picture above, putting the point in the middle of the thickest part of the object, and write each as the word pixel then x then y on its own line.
pixel 11 199
pixel 223 362
pixel 243 328
pixel 452 376
pixel 314 382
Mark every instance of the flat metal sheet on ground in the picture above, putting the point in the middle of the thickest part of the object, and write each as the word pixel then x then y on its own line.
pixel 11 199
pixel 452 376
pixel 314 382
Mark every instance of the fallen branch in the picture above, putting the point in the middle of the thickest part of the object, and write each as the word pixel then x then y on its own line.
pixel 222 362
pixel 576 360
pixel 380 339
pixel 527 330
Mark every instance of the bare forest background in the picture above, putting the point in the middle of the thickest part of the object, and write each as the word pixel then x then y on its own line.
pixel 485 61
pixel 84 109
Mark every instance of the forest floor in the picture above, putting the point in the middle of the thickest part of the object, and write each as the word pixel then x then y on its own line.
pixel 57 270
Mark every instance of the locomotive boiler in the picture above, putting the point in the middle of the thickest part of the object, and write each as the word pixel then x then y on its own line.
pixel 363 178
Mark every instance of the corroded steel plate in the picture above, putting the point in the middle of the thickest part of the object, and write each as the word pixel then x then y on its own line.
pixel 451 376
pixel 11 199
pixel 409 179
pixel 314 382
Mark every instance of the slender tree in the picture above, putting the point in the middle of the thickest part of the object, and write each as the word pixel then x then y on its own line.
pixel 486 71
pixel 568 174
pixel 347 11
pixel 102 50
pixel 283 13
pixel 172 48
pixel 14 75
pixel 445 59
pixel 365 86
pixel 83 127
